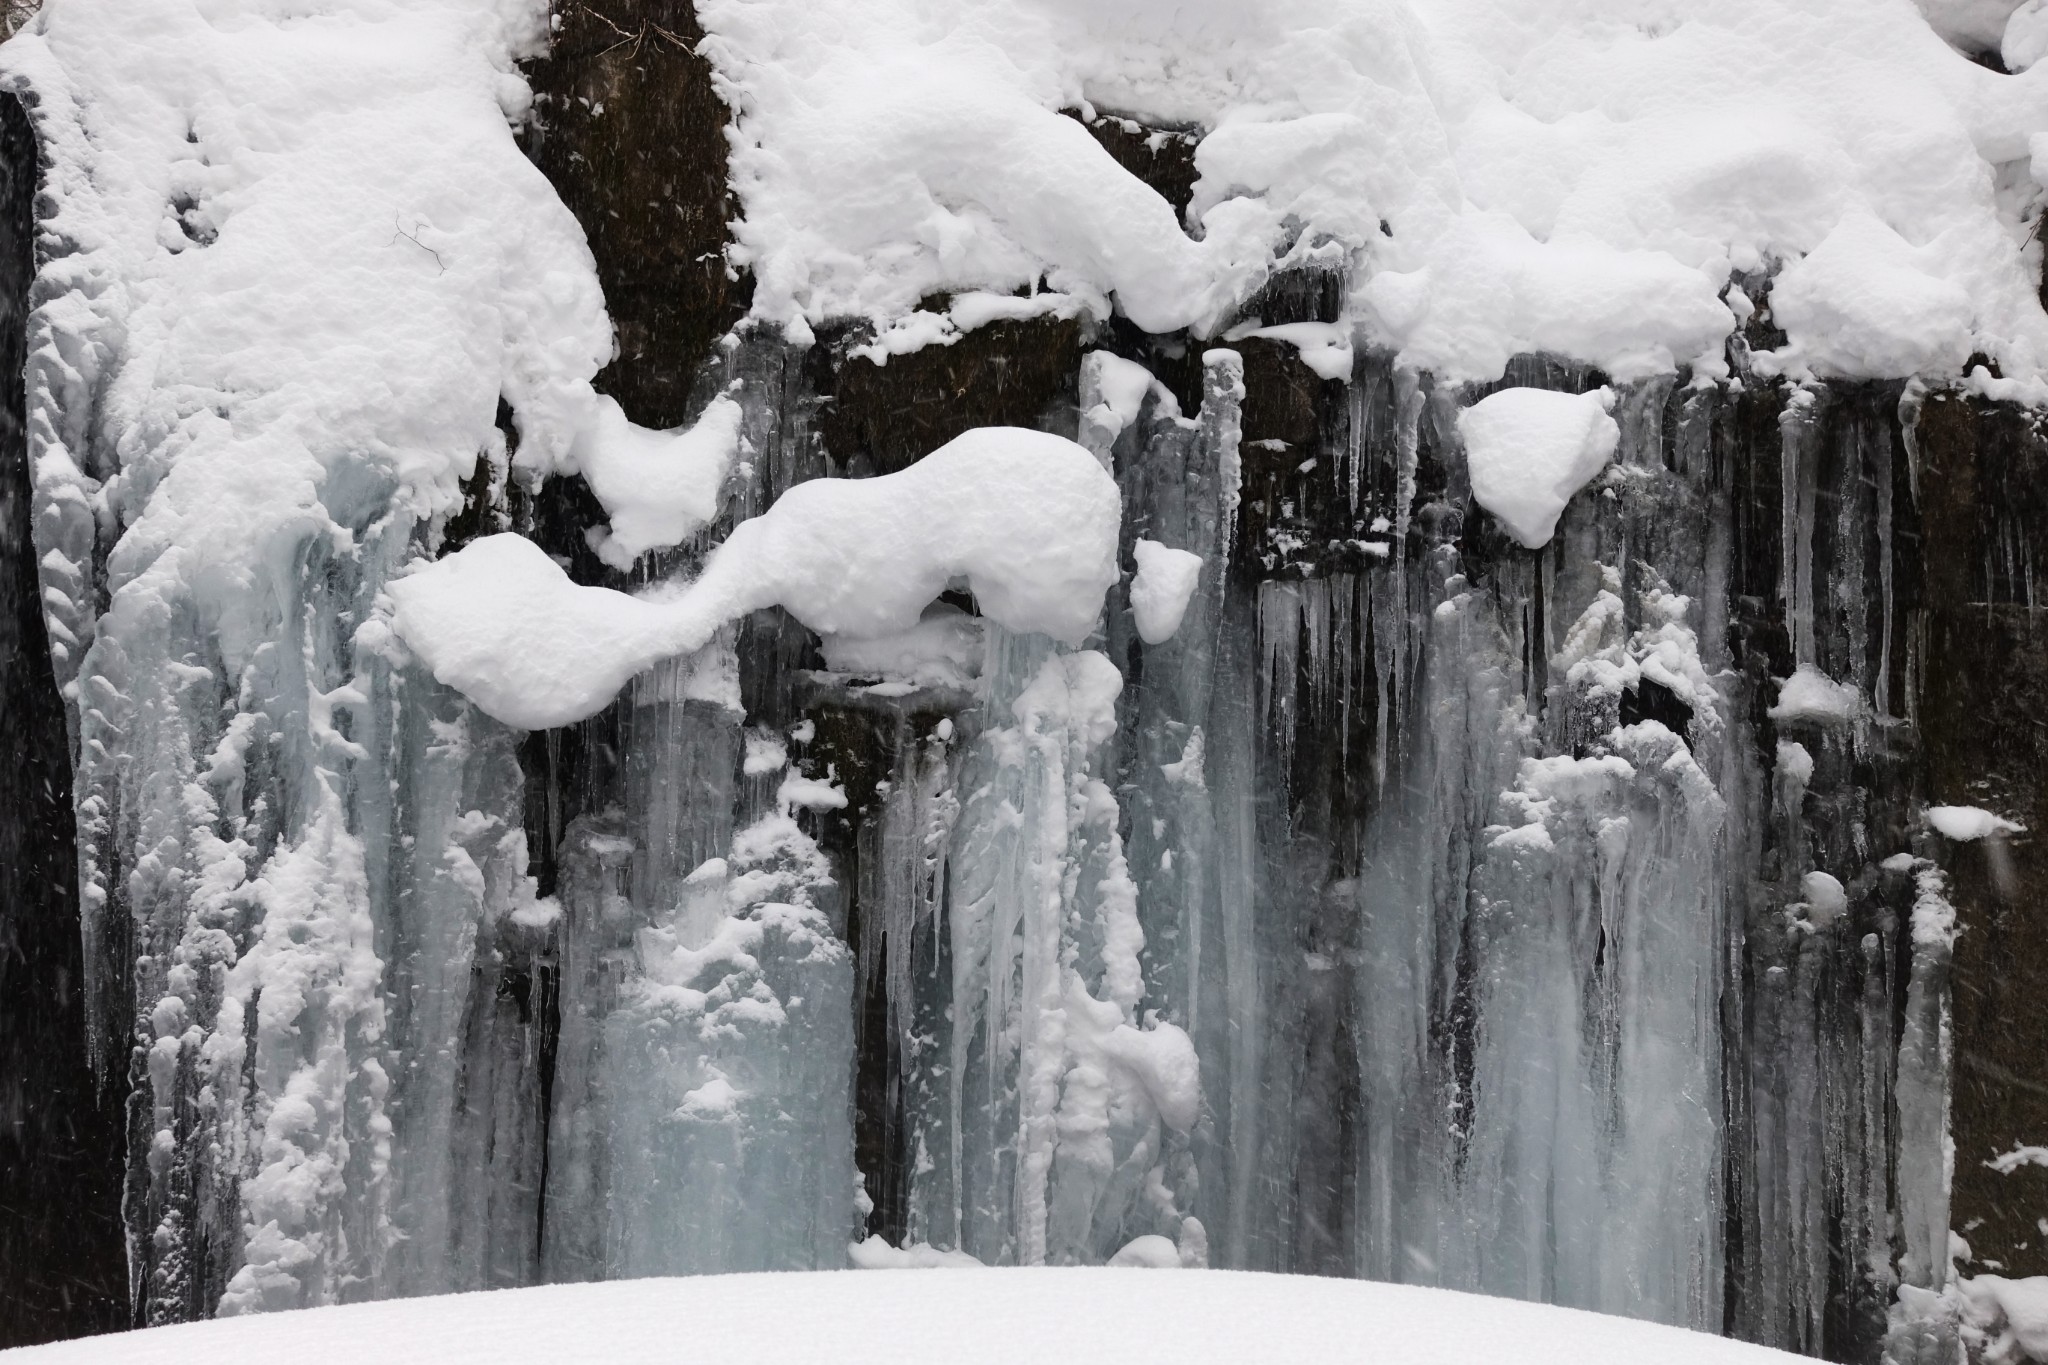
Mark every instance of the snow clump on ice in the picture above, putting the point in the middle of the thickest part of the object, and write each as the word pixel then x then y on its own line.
pixel 1967 824
pixel 658 487
pixel 1027 521
pixel 1529 450
pixel 1165 581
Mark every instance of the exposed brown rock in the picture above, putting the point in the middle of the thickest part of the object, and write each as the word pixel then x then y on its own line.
pixel 882 418
pixel 627 125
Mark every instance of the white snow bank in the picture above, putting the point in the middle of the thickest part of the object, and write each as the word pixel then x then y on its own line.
pixel 1165 580
pixel 2025 40
pixel 1026 520
pixel 1578 176
pixel 658 487
pixel 1811 695
pixel 1149 1252
pixel 1966 824
pixel 1530 450
pixel 1072 1316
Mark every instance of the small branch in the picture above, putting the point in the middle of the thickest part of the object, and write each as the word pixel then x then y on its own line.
pixel 401 232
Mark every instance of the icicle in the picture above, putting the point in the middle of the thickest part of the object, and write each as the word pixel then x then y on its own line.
pixel 1222 399
pixel 1926 1156
pixel 1797 461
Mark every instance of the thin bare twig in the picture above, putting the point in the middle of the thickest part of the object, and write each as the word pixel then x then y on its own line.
pixel 410 237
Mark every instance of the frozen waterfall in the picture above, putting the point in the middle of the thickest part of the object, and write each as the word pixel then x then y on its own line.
pixel 790 647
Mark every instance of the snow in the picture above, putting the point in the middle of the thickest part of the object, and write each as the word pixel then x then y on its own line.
pixel 1810 695
pixel 2025 39
pixel 1166 579
pixel 2005 1163
pixel 1530 450
pixel 301 309
pixel 1972 25
pixel 2010 1316
pixel 1795 764
pixel 902 1317
pixel 1493 176
pixel 1120 388
pixel 1826 900
pixel 658 487
pixel 1966 824
pixel 1867 301
pixel 874 1253
pixel 1324 347
pixel 1026 521
pixel 1150 1252
pixel 944 649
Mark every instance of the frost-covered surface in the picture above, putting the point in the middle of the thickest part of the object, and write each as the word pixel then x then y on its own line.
pixel 904 1317
pixel 2009 1317
pixel 1496 176
pixel 1025 520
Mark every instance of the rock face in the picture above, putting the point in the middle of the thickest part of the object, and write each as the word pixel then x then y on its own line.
pixel 1980 702
pixel 62 1150
pixel 1558 923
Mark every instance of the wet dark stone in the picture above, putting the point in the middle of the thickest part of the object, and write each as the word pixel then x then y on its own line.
pixel 1984 717
pixel 62 1152
pixel 882 418
pixel 1310 294
pixel 1652 700
pixel 1296 516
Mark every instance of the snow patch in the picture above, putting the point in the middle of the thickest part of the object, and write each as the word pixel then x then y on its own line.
pixel 1076 1316
pixel 1811 695
pixel 1160 592
pixel 658 487
pixel 1967 824
pixel 1530 450
pixel 1029 522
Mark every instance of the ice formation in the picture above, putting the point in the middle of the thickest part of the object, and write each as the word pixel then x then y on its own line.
pixel 1171 833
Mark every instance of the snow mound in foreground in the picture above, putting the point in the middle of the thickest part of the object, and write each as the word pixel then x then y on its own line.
pixel 853 1317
